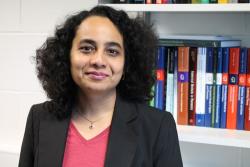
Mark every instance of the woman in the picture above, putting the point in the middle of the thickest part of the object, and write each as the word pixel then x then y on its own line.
pixel 97 71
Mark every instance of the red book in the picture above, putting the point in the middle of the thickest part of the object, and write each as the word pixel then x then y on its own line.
pixel 182 85
pixel 247 105
pixel 232 100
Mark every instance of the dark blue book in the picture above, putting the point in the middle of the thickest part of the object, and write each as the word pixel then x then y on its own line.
pixel 242 89
pixel 218 89
pixel 224 87
pixel 160 74
pixel 209 87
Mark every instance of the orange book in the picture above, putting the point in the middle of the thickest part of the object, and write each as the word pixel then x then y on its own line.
pixel 232 100
pixel 158 1
pixel 223 1
pixel 247 105
pixel 182 85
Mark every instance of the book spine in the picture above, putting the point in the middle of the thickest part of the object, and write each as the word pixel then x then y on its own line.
pixel 213 1
pixel 243 1
pixel 247 108
pixel 204 1
pixel 160 77
pixel 195 1
pixel 242 88
pixel 233 87
pixel 218 89
pixel 215 54
pixel 201 86
pixel 182 101
pixel 224 91
pixel 209 87
pixel 148 1
pixel 175 82
pixel 222 1
pixel 170 81
pixel 247 104
pixel 192 85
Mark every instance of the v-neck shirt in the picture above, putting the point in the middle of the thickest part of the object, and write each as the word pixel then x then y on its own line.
pixel 80 152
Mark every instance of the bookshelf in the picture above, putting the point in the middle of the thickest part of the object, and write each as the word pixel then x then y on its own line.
pixel 222 137
pixel 194 8
pixel 222 147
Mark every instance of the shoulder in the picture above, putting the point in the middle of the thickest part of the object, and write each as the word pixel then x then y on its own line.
pixel 42 111
pixel 154 115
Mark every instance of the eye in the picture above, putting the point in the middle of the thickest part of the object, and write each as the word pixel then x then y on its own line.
pixel 86 49
pixel 113 52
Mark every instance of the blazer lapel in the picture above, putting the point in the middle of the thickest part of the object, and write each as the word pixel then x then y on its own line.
pixel 52 140
pixel 122 140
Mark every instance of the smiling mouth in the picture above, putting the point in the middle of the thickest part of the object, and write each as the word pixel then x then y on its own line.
pixel 96 75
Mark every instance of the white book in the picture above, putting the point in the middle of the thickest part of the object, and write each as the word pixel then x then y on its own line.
pixel 200 86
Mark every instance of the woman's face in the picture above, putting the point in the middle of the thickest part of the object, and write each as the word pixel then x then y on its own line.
pixel 97 56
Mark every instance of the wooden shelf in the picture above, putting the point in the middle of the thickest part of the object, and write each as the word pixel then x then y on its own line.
pixel 215 136
pixel 182 7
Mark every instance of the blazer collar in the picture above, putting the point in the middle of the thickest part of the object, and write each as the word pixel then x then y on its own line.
pixel 122 140
pixel 121 145
pixel 52 141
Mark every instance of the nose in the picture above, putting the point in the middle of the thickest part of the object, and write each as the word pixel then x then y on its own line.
pixel 97 60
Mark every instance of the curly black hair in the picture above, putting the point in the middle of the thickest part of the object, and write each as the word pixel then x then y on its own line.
pixel 53 59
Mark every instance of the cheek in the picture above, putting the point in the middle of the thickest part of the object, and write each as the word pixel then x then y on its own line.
pixel 77 64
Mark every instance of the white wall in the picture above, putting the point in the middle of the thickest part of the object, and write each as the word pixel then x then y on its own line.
pixel 24 25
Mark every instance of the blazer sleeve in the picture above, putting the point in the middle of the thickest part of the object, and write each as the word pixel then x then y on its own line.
pixel 27 149
pixel 168 150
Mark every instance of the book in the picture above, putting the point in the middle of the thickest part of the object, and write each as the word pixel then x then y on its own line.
pixel 243 1
pixel 201 86
pixel 182 90
pixel 224 87
pixel 175 83
pixel 242 88
pixel 223 1
pixel 213 1
pixel 217 119
pixel 192 85
pixel 214 87
pixel 247 104
pixel 160 78
pixel 209 87
pixel 232 100
pixel 170 79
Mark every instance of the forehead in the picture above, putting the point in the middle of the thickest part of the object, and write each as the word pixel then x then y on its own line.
pixel 100 28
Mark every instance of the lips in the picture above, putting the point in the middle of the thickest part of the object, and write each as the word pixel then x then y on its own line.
pixel 97 75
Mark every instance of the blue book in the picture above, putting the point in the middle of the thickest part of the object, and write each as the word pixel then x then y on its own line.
pixel 224 87
pixel 242 88
pixel 218 89
pixel 209 87
pixel 160 74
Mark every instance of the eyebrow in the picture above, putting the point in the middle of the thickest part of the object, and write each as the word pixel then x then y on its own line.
pixel 107 44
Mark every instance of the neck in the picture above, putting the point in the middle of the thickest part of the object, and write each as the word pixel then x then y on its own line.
pixel 93 106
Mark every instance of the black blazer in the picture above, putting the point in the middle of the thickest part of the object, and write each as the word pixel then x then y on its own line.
pixel 140 136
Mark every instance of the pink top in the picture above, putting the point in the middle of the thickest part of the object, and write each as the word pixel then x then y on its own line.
pixel 80 152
